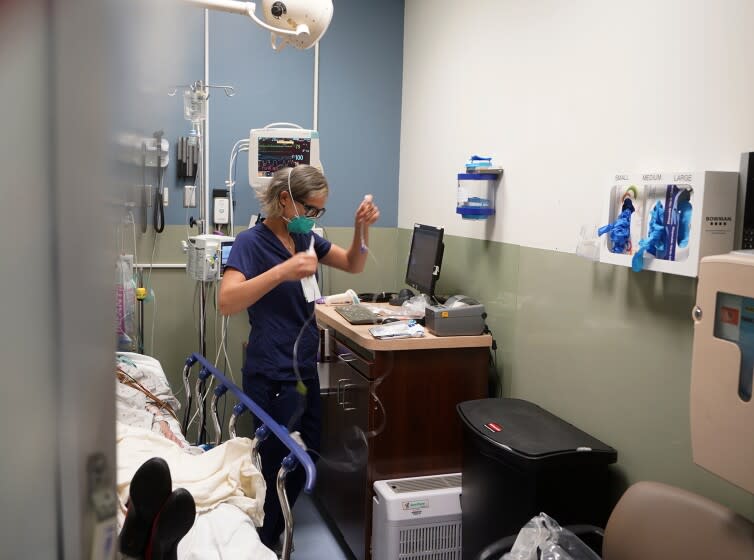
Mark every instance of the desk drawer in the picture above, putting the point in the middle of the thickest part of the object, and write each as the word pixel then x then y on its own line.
pixel 349 356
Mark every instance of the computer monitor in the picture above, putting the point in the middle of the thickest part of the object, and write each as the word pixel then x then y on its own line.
pixel 425 258
pixel 271 149
pixel 225 247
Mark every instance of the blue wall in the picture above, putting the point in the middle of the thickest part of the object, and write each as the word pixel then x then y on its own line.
pixel 361 65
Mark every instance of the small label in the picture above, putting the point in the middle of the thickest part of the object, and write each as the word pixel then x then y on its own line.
pixel 729 315
pixel 444 314
pixel 415 504
pixel 493 427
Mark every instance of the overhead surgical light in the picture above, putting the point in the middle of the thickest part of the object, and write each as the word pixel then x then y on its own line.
pixel 299 23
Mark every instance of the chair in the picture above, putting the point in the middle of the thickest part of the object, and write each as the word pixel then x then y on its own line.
pixel 655 521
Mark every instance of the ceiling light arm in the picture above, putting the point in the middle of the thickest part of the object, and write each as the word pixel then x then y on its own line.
pixel 246 9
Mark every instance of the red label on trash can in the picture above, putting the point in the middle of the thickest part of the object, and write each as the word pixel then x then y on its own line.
pixel 493 427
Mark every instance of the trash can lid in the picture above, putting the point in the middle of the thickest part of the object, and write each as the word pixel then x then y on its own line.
pixel 530 432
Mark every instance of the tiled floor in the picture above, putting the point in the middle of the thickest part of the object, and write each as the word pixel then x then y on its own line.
pixel 312 538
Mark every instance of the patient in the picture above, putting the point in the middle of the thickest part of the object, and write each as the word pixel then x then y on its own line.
pixel 227 489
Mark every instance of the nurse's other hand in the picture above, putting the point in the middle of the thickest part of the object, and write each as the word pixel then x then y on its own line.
pixel 299 266
pixel 367 213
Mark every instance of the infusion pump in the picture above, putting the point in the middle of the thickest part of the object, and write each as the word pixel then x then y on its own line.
pixel 206 256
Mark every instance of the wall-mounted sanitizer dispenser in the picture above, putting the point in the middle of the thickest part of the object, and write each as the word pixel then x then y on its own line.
pixel 721 407
pixel 666 222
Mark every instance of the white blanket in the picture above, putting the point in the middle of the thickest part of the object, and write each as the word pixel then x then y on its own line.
pixel 224 533
pixel 224 474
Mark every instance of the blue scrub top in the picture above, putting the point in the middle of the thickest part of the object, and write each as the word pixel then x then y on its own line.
pixel 277 317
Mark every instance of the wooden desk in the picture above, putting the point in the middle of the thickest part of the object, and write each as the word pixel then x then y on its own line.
pixel 390 413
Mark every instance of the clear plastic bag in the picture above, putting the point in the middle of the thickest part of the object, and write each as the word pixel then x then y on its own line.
pixel 542 533
pixel 125 303
pixel 415 306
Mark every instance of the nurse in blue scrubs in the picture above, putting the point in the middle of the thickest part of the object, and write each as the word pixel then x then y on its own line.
pixel 263 274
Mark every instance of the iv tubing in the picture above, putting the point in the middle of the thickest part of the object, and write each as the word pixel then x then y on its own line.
pixel 315 119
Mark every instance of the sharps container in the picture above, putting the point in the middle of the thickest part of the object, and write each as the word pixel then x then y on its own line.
pixel 476 195
pixel 519 460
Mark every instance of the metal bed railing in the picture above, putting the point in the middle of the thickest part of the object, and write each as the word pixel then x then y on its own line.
pixel 297 454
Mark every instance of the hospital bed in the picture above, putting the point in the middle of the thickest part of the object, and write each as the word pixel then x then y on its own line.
pixel 225 480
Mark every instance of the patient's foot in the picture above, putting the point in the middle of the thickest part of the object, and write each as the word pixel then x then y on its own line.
pixel 172 523
pixel 150 487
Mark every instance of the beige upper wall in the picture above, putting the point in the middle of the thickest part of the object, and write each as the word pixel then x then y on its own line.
pixel 563 95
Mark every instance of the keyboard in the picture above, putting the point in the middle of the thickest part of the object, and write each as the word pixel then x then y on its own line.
pixel 357 314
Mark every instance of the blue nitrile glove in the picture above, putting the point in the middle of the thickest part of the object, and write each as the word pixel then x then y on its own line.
pixel 620 229
pixel 655 240
pixel 684 223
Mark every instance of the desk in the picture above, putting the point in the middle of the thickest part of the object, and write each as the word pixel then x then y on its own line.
pixel 402 394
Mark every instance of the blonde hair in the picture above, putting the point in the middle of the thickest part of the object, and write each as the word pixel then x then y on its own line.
pixel 305 180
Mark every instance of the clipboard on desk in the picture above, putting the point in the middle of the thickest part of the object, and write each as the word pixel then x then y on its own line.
pixel 398 329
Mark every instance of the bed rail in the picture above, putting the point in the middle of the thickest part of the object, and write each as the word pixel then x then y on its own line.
pixel 297 454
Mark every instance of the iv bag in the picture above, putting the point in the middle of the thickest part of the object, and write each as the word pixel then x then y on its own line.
pixel 195 105
pixel 125 303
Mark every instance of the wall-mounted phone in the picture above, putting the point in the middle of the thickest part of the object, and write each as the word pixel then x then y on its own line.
pixel 745 221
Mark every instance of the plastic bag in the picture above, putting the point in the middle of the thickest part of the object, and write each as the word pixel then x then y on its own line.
pixel 125 301
pixel 415 306
pixel 555 543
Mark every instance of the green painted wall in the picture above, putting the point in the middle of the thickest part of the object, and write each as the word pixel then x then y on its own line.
pixel 604 348
pixel 601 347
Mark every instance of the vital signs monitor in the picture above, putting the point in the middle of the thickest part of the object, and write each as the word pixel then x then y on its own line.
pixel 273 148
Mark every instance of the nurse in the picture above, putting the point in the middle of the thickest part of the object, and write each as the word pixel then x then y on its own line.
pixel 263 276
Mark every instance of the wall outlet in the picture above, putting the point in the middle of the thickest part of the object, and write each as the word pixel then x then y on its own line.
pixel 189 196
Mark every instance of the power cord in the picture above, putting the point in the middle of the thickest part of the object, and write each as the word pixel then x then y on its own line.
pixel 494 382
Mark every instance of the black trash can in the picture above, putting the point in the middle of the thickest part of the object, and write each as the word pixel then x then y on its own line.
pixel 520 460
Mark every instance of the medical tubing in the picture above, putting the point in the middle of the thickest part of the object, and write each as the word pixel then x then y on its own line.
pixel 148 286
pixel 187 389
pixel 133 221
pixel 145 211
pixel 279 431
pixel 226 335
pixel 158 213
pixel 201 405
pixel 199 389
pixel 363 248
pixel 127 379
pixel 239 146
pixel 300 387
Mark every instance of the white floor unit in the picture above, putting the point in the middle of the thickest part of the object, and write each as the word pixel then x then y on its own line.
pixel 417 518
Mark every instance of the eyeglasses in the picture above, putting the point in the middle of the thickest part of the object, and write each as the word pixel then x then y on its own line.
pixel 312 211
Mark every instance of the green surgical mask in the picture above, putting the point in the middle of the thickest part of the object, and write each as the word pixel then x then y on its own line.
pixel 299 224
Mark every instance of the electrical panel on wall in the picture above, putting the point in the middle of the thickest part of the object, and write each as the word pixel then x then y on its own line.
pixel 668 221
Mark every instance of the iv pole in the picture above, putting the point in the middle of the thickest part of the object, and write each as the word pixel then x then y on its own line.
pixel 204 227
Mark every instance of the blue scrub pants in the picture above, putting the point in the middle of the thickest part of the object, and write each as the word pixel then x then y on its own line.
pixel 281 401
